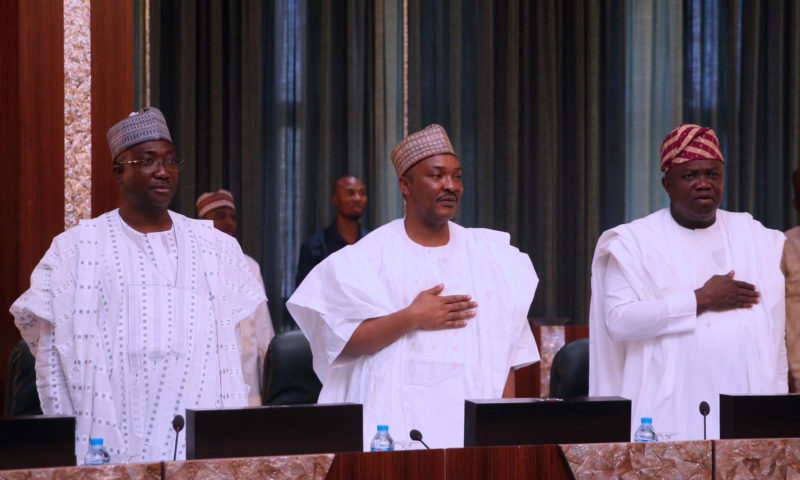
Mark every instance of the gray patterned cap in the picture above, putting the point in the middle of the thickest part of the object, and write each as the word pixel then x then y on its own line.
pixel 146 125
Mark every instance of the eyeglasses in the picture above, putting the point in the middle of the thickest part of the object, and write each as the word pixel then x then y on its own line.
pixel 149 164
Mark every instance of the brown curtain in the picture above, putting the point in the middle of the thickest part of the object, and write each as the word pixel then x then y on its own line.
pixel 533 96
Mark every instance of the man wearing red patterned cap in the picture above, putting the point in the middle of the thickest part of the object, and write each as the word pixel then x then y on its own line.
pixel 132 314
pixel 790 265
pixel 688 302
pixel 255 331
pixel 420 314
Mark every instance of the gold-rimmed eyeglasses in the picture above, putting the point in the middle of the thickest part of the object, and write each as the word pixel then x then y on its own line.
pixel 149 165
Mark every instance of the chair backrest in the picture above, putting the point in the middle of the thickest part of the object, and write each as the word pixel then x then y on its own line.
pixel 21 395
pixel 569 374
pixel 289 377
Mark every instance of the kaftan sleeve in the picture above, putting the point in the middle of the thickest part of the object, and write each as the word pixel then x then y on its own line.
pixel 256 331
pixel 525 353
pixel 52 280
pixel 630 318
pixel 339 293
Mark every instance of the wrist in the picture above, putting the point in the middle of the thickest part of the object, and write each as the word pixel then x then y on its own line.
pixel 701 300
pixel 408 319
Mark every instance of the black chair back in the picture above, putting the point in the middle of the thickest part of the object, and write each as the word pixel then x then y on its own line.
pixel 289 377
pixel 569 374
pixel 21 395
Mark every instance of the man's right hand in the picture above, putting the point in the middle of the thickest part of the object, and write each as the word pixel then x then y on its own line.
pixel 431 311
pixel 722 292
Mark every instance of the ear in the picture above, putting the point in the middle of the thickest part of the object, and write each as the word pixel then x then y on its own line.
pixel 665 183
pixel 116 171
pixel 404 183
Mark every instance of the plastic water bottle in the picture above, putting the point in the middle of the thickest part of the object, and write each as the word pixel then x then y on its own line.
pixel 645 432
pixel 97 454
pixel 382 441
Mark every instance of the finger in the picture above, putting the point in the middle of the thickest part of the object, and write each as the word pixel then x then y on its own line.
pixel 746 292
pixel 741 284
pixel 458 306
pixel 746 299
pixel 435 290
pixel 456 298
pixel 731 274
pixel 462 315
pixel 454 324
pixel 745 305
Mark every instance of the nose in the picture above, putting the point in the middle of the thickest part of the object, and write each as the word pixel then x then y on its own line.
pixel 703 181
pixel 160 170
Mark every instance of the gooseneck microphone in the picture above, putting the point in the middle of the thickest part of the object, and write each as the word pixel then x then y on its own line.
pixel 177 425
pixel 704 410
pixel 417 435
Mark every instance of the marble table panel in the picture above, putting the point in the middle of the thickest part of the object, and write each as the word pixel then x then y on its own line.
pixel 131 471
pixel 551 342
pixel 273 468
pixel 653 460
pixel 758 458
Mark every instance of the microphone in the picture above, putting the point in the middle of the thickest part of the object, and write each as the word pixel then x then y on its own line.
pixel 417 436
pixel 177 425
pixel 704 410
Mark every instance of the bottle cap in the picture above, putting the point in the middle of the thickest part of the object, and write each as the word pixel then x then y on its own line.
pixel 647 420
pixel 383 427
pixel 95 441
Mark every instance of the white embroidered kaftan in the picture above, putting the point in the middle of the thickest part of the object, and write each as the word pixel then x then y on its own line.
pixel 646 341
pixel 127 335
pixel 422 379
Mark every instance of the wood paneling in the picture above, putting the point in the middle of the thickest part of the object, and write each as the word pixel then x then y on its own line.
pixel 32 135
pixel 530 461
pixel 112 91
pixel 427 464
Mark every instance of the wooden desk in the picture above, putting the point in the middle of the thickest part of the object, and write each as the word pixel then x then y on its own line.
pixel 759 458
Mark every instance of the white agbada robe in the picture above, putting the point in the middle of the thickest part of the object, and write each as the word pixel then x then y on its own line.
pixel 422 379
pixel 130 329
pixel 646 341
pixel 256 331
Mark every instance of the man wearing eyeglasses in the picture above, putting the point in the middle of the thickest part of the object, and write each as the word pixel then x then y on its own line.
pixel 132 315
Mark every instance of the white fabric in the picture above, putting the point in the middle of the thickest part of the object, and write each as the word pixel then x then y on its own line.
pixel 647 343
pixel 123 346
pixel 256 331
pixel 422 379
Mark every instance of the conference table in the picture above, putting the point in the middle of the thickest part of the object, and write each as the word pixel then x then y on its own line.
pixel 719 459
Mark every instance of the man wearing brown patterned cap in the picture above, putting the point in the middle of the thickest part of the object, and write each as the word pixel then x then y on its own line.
pixel 420 314
pixel 255 331
pixel 132 314
pixel 688 302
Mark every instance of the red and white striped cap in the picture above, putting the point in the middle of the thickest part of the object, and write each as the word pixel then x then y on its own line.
pixel 689 142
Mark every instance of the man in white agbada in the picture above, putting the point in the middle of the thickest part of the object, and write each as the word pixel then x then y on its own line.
pixel 420 314
pixel 132 315
pixel 688 302
pixel 255 331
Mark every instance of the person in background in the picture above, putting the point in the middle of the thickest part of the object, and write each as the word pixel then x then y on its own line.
pixel 688 302
pixel 132 315
pixel 350 198
pixel 257 330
